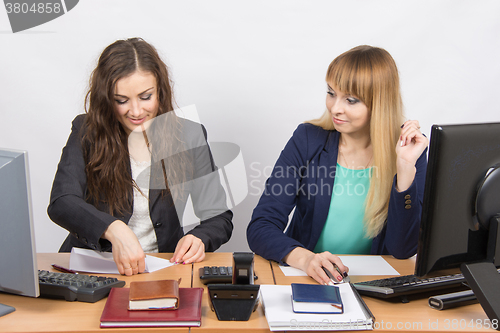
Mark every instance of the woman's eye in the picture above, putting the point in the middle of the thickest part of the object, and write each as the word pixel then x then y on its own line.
pixel 147 97
pixel 331 93
pixel 120 101
pixel 352 100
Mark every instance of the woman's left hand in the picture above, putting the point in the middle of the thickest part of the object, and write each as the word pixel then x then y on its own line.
pixel 410 146
pixel 189 249
pixel 411 142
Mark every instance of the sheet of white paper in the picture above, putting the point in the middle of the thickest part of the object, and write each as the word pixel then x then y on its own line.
pixel 358 265
pixel 291 271
pixel 368 265
pixel 85 260
pixel 155 263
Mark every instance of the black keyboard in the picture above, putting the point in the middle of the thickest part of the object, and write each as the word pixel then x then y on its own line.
pixel 408 284
pixel 76 287
pixel 216 274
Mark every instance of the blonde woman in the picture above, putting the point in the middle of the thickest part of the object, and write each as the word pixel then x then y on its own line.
pixel 355 176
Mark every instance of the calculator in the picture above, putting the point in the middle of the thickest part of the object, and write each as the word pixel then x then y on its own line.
pixel 217 274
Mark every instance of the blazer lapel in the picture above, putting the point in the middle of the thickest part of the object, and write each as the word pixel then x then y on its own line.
pixel 324 182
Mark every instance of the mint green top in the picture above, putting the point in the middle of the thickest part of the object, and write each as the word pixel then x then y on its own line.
pixel 343 232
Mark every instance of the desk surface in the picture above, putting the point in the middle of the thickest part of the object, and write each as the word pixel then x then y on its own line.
pixel 46 315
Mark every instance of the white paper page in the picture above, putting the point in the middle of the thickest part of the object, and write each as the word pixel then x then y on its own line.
pixel 155 263
pixel 85 260
pixel 368 265
pixel 292 271
pixel 358 265
pixel 277 302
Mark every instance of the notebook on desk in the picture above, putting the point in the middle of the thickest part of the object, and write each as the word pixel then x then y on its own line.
pixel 116 313
pixel 277 303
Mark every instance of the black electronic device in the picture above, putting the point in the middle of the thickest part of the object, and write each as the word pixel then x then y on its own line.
pixel 233 302
pixel 243 268
pixel 76 287
pixel 452 300
pixel 461 209
pixel 459 192
pixel 399 286
pixel 238 300
pixel 217 274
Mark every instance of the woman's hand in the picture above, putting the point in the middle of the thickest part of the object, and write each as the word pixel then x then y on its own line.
pixel 313 263
pixel 410 146
pixel 127 251
pixel 189 249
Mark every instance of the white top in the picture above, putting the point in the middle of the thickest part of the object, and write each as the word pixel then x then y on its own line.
pixel 140 222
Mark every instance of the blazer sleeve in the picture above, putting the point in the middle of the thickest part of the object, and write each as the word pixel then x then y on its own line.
pixel 209 199
pixel 265 232
pixel 67 206
pixel 400 235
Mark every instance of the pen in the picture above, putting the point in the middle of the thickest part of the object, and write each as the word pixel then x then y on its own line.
pixel 63 269
pixel 332 278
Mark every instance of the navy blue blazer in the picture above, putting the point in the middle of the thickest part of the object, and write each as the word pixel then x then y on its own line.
pixel 86 221
pixel 303 179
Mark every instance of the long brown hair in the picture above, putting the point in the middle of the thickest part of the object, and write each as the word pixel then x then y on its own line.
pixel 370 74
pixel 104 140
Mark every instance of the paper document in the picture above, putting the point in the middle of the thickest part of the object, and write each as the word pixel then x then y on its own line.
pixel 358 265
pixel 85 260
pixel 368 265
pixel 277 303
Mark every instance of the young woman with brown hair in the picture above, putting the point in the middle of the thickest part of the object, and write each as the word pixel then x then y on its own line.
pixel 130 163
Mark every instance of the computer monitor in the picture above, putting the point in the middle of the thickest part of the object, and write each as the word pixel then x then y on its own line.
pixel 461 208
pixel 18 272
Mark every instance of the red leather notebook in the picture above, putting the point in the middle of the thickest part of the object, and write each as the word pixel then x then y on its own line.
pixel 116 314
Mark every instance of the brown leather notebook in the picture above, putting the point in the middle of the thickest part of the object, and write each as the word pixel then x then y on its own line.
pixel 154 295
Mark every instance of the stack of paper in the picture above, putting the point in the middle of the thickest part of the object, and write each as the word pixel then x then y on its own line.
pixel 277 302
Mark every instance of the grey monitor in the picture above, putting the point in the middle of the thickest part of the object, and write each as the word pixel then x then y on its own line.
pixel 18 272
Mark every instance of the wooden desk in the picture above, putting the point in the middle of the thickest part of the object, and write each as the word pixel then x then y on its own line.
pixel 395 316
pixel 45 315
pixel 49 315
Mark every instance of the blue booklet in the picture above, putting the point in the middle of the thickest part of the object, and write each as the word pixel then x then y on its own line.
pixel 316 298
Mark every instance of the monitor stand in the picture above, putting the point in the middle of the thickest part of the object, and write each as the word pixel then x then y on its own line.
pixel 5 309
pixel 483 277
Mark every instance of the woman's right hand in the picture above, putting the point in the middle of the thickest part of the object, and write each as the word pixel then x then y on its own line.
pixel 313 263
pixel 127 251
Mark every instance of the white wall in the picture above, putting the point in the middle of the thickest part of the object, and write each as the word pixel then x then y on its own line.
pixel 254 69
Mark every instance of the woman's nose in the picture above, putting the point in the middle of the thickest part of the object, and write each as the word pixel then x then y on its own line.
pixel 336 107
pixel 135 109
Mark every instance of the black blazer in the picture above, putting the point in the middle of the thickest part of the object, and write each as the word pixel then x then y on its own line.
pixel 86 222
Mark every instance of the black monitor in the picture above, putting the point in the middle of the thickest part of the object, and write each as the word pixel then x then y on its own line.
pixel 461 209
pixel 18 272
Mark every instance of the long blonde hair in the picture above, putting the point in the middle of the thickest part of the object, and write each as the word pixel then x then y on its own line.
pixel 370 74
